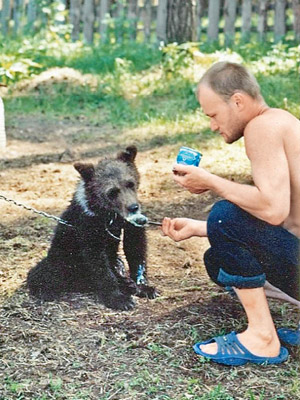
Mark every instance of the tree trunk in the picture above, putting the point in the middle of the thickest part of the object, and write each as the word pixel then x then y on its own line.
pixel 5 15
pixel 2 126
pixel 246 19
pixel 262 19
pixel 213 20
pixel 88 21
pixel 279 20
pixel 75 14
pixel 296 11
pixel 161 25
pixel 103 23
pixel 230 15
pixel 181 21
pixel 147 14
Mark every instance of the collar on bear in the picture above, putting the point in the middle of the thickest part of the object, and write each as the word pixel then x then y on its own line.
pixel 112 220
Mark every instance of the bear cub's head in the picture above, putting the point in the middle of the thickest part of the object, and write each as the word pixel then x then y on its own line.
pixel 111 187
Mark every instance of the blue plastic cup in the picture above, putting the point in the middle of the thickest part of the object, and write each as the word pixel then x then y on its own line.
pixel 188 156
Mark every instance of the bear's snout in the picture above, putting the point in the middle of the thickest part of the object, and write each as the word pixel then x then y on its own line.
pixel 137 219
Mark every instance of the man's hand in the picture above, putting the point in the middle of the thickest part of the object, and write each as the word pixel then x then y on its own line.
pixel 194 179
pixel 183 228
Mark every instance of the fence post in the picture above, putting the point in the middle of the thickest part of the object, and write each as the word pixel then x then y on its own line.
pixel 103 20
pixel 161 24
pixel 88 20
pixel 17 15
pixel 279 20
pixel 230 15
pixel 75 8
pixel 262 19
pixel 31 15
pixel 246 19
pixel 5 13
pixel 213 20
pixel 199 14
pixel 147 13
pixel 296 11
pixel 132 16
pixel 2 126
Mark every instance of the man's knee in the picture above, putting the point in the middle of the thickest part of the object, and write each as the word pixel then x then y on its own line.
pixel 212 266
pixel 222 216
pixel 240 276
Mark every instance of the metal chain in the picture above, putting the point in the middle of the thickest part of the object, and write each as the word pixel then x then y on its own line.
pixel 44 214
pixel 60 220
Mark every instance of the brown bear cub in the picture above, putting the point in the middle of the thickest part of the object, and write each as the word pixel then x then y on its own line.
pixel 83 257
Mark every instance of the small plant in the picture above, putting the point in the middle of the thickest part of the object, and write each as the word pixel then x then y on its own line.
pixel 176 57
pixel 14 68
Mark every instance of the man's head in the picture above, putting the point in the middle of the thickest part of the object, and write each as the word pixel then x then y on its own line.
pixel 229 95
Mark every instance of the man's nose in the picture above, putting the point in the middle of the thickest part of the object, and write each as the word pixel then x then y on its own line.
pixel 213 125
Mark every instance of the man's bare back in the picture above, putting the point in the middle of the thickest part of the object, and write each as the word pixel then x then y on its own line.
pixel 291 137
pixel 273 138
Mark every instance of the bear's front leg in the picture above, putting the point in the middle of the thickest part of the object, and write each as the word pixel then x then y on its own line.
pixel 126 284
pixel 105 283
pixel 135 249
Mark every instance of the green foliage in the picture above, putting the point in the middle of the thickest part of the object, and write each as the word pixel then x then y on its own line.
pixel 15 67
pixel 139 85
pixel 177 56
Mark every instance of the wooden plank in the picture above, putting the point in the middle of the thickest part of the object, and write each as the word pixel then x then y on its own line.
pixel 230 17
pixel 213 20
pixel 2 126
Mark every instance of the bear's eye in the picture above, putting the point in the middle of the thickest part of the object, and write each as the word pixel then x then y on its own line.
pixel 130 185
pixel 113 193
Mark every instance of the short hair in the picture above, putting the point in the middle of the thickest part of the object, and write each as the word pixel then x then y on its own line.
pixel 226 78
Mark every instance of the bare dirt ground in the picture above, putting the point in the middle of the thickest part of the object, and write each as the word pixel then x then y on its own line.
pixel 78 349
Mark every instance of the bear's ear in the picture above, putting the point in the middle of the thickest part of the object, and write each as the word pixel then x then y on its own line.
pixel 128 155
pixel 87 171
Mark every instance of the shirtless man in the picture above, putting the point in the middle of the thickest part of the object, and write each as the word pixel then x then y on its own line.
pixel 254 233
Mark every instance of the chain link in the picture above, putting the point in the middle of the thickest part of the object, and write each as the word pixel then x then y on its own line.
pixel 44 214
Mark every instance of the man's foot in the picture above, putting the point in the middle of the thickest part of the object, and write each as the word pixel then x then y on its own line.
pixel 263 345
pixel 232 352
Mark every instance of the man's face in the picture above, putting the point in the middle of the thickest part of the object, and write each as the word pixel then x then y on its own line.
pixel 224 116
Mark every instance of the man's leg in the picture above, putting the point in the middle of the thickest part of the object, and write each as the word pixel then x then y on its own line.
pixel 260 337
pixel 240 245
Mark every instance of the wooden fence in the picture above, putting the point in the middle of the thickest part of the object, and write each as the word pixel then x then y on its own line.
pixel 155 20
pixel 2 126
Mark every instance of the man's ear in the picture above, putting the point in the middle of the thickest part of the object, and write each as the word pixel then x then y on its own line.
pixel 128 155
pixel 238 100
pixel 87 171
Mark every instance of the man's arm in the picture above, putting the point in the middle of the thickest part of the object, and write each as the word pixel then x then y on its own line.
pixel 183 228
pixel 269 198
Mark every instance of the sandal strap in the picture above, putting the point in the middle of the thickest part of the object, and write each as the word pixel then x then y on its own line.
pixel 230 345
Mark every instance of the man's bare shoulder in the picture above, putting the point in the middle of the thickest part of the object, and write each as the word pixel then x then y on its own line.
pixel 272 121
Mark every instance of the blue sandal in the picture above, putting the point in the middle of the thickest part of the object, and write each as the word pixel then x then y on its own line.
pixel 232 352
pixel 289 336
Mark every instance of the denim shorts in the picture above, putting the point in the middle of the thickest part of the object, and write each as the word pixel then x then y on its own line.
pixel 246 251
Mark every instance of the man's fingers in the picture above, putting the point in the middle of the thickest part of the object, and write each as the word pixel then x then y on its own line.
pixel 179 169
pixel 168 227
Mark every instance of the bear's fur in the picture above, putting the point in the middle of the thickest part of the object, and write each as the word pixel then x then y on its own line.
pixel 83 257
